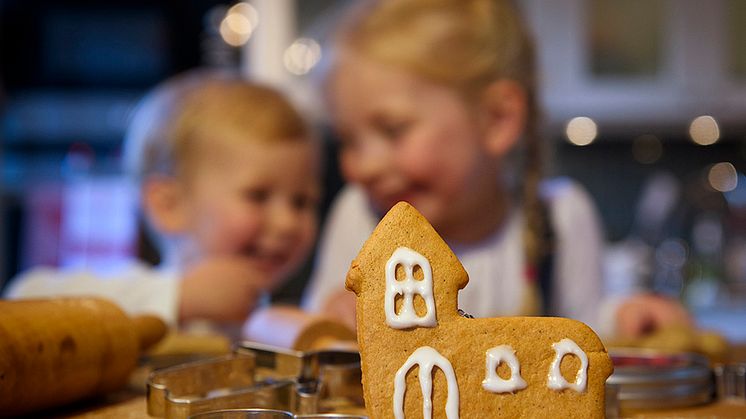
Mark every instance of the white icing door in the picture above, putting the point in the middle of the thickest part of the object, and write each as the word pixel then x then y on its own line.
pixel 427 358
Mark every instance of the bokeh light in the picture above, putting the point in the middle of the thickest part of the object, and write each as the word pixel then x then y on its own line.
pixel 302 56
pixel 238 24
pixel 704 130
pixel 581 130
pixel 723 177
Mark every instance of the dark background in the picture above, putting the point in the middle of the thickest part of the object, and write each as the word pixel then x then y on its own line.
pixel 73 70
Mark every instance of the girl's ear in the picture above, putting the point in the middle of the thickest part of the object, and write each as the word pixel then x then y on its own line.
pixel 505 111
pixel 164 204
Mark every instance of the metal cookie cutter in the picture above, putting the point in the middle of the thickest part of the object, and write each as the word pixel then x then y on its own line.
pixel 651 379
pixel 258 376
pixel 731 381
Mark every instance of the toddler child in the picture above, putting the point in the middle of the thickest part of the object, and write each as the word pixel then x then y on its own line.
pixel 228 179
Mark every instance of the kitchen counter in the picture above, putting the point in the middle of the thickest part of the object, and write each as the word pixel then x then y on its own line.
pixel 131 403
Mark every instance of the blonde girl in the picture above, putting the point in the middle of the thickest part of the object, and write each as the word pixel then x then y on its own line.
pixel 435 103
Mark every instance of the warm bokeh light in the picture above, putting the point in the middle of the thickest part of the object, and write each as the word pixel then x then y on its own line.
pixel 723 177
pixel 581 130
pixel 247 10
pixel 704 130
pixel 647 149
pixel 302 56
pixel 239 23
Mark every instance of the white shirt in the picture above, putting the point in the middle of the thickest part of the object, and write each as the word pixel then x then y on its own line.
pixel 137 289
pixel 495 265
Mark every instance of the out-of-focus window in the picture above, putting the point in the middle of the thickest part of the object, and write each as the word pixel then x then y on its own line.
pixel 626 37
pixel 737 38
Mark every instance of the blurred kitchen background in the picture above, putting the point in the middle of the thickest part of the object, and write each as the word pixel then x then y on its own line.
pixel 644 104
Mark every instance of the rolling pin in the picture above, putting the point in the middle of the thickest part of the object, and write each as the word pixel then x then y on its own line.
pixel 56 351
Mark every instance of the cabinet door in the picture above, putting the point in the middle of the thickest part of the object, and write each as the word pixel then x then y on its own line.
pixel 626 39
pixel 646 63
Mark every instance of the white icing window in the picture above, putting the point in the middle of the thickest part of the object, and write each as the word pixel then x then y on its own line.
pixel 492 381
pixel 427 358
pixel 555 380
pixel 408 287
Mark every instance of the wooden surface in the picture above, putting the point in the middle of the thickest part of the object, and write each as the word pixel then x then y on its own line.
pixel 131 404
pixel 125 405
pixel 732 409
pixel 134 407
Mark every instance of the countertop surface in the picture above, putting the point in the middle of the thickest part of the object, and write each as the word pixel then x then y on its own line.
pixel 131 403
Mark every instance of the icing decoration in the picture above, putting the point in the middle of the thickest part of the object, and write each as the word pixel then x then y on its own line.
pixel 492 381
pixel 408 288
pixel 426 357
pixel 555 380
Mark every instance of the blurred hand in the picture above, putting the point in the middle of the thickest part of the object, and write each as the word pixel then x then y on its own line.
pixel 292 328
pixel 224 290
pixel 341 307
pixel 645 313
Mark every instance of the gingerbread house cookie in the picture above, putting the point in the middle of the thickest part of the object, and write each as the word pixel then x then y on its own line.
pixel 422 359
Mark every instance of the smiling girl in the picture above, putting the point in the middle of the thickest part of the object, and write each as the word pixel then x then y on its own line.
pixel 434 102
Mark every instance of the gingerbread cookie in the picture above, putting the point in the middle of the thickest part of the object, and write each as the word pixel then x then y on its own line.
pixel 421 358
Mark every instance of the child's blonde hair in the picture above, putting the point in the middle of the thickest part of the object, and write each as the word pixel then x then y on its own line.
pixel 467 45
pixel 187 112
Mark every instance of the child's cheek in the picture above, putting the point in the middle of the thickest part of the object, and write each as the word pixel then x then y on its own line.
pixel 417 163
pixel 239 229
